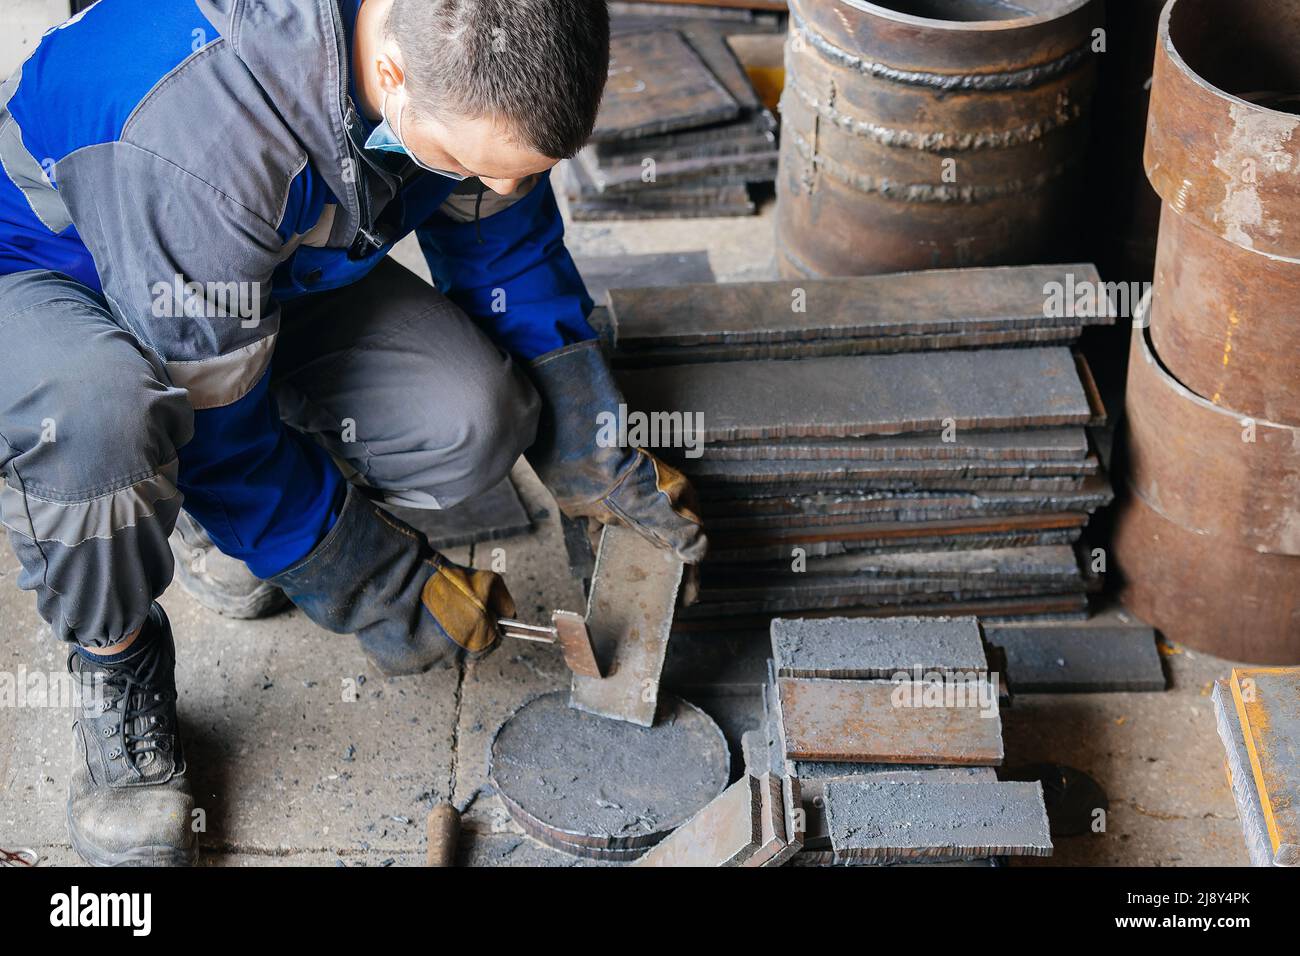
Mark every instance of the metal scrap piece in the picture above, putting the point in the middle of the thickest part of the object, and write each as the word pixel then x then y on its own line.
pixel 725 833
pixel 891 722
pixel 574 779
pixel 827 508
pixel 880 99
pixel 866 649
pixel 629 616
pixel 1241 777
pixel 1232 601
pixel 888 822
pixel 658 83
pixel 1064 659
pixel 1241 486
pixel 1268 705
pixel 816 348
pixel 710 472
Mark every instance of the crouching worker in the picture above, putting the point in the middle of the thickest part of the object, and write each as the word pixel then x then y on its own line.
pixel 209 354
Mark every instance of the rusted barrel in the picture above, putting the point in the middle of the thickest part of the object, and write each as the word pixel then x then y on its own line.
pixel 1219 474
pixel 1208 544
pixel 1232 602
pixel 1223 152
pixel 920 134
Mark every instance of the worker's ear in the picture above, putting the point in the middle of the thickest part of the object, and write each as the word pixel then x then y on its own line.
pixel 388 64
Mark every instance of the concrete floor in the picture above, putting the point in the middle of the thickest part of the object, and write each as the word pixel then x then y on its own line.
pixel 291 770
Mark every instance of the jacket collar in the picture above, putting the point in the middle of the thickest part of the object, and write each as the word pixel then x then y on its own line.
pixel 298 52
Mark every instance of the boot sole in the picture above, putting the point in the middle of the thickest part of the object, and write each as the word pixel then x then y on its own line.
pixel 262 602
pixel 136 856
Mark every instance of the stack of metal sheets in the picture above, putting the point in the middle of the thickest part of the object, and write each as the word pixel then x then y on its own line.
pixel 681 132
pixel 872 471
pixel 892 730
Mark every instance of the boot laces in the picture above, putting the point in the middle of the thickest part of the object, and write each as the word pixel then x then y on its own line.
pixel 142 723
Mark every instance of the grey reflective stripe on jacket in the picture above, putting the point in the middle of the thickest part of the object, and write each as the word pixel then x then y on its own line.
pixel 25 170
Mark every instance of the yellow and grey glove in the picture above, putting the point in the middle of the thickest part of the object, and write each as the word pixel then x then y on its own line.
pixel 378 578
pixel 614 485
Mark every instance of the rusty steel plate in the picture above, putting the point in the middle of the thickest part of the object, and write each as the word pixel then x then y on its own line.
pixel 725 833
pixel 1210 469
pixel 890 822
pixel 1223 321
pixel 1206 592
pixel 861 722
pixel 879 532
pixel 1216 150
pixel 629 615
pixel 571 634
pixel 1268 705
pixel 575 779
pixel 931 135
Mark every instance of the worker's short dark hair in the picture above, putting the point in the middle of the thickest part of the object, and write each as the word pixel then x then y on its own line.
pixel 540 65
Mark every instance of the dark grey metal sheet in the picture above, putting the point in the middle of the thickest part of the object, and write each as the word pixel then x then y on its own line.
pixel 659 83
pixel 1036 444
pixel 864 649
pixel 1079 658
pixel 868 395
pixel 887 822
pixel 912 303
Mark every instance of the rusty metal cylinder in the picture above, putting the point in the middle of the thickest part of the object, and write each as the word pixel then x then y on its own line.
pixel 1232 602
pixel 1223 152
pixel 920 134
pixel 1209 542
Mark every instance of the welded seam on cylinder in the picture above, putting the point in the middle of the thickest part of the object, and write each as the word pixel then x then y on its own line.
pixel 923 192
pixel 1009 80
pixel 783 249
pixel 939 141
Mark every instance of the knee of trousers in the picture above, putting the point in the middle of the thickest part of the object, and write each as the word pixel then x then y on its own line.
pixel 456 451
pixel 89 432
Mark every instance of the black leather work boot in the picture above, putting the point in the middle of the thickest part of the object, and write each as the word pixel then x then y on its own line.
pixel 129 800
pixel 219 582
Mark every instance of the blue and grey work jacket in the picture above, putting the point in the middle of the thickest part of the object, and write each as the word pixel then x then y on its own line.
pixel 173 152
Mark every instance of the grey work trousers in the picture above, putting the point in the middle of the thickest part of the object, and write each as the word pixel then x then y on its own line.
pixel 90 427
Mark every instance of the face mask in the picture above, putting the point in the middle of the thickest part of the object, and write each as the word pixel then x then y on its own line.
pixel 386 139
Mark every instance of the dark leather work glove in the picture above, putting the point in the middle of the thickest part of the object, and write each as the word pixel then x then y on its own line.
pixel 614 485
pixel 378 578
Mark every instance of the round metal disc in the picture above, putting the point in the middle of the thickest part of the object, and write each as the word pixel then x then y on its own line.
pixel 589 781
